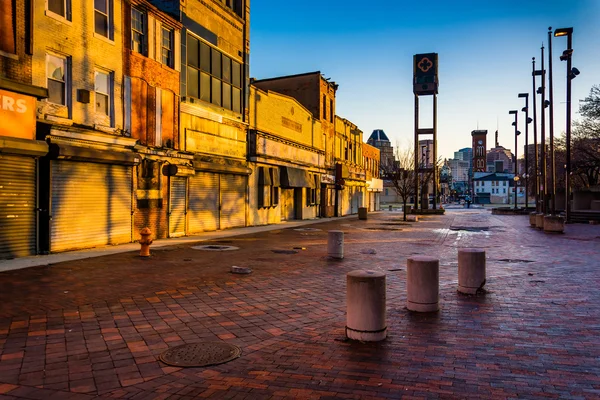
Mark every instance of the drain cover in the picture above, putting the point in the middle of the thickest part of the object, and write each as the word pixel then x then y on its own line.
pixel 383 228
pixel 214 247
pixel 200 354
pixel 284 251
pixel 509 260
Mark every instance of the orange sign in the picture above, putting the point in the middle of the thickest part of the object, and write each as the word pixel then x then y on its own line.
pixel 17 115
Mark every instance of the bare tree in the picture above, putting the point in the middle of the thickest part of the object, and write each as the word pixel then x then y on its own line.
pixel 401 174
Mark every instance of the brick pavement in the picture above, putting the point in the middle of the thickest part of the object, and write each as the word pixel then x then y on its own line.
pixel 95 327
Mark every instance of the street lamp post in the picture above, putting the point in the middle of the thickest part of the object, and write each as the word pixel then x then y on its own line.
pixel 571 74
pixel 543 169
pixel 527 122
pixel 535 143
pixel 551 127
pixel 516 178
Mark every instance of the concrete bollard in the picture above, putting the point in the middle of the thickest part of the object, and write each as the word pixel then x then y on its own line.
pixel 390 207
pixel 539 220
pixel 362 212
pixel 422 284
pixel 554 224
pixel 471 270
pixel 335 244
pixel 532 216
pixel 365 306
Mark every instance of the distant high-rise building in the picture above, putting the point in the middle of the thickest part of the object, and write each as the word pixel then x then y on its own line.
pixel 426 153
pixel 499 153
pixel 380 140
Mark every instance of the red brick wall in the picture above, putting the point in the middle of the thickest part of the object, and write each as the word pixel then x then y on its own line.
pixel 17 68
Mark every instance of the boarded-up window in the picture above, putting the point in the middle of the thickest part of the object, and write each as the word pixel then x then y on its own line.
pixel 139 104
pixel 168 115
pixel 7 26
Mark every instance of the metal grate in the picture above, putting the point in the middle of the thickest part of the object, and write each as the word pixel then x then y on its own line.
pixel 200 354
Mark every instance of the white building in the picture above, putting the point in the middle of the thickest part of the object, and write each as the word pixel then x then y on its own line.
pixel 496 188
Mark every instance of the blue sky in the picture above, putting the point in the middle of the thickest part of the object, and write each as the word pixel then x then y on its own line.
pixel 485 50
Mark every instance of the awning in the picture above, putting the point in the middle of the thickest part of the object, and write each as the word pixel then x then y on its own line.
pixel 36 148
pixel 264 177
pixel 75 153
pixel 295 177
pixel 275 177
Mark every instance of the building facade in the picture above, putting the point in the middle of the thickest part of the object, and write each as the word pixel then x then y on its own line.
pixel 20 151
pixel 87 178
pixel 317 95
pixel 151 67
pixel 499 153
pixel 371 166
pixel 350 175
pixel 213 120
pixel 287 159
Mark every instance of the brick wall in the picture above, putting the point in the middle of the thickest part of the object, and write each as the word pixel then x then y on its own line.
pixel 75 38
pixel 16 64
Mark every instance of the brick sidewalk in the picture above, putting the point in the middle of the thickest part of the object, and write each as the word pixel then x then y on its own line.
pixel 95 327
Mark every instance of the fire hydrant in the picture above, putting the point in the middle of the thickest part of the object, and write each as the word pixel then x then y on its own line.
pixel 145 241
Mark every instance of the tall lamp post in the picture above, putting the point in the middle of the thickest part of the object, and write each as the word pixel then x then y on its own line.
pixel 535 143
pixel 527 122
pixel 571 74
pixel 551 128
pixel 516 178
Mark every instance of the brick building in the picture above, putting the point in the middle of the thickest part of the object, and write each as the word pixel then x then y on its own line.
pixel 87 178
pixel 151 67
pixel 317 95
pixel 371 160
pixel 213 112
pixel 19 150
pixel 350 174
pixel 287 157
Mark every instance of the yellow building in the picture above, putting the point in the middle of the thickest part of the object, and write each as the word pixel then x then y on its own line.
pixel 350 173
pixel 287 157
pixel 86 180
pixel 213 112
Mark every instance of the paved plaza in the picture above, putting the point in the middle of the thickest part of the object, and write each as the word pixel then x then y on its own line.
pixel 94 328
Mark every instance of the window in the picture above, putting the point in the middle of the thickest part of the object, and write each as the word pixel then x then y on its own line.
pixel 138 29
pixel 330 110
pixel 7 27
pixel 167 47
pixel 103 93
pixel 101 17
pixel 504 183
pixel 56 71
pixel 59 7
pixel 324 107
pixel 212 76
pixel 504 190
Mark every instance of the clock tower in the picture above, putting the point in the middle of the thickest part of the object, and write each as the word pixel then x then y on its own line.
pixel 479 150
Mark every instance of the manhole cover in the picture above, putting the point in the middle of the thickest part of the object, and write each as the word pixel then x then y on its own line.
pixel 383 228
pixel 200 354
pixel 469 228
pixel 509 260
pixel 308 229
pixel 214 247
pixel 395 223
pixel 284 251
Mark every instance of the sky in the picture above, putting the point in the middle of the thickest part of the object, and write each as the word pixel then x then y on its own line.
pixel 485 50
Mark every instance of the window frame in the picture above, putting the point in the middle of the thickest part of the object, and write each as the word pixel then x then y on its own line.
pixel 109 95
pixel 217 83
pixel 142 33
pixel 66 12
pixel 170 50
pixel 108 16
pixel 65 81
